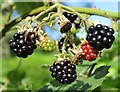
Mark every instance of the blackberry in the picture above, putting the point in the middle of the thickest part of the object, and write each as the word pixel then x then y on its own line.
pixel 100 36
pixel 47 44
pixel 64 71
pixel 60 45
pixel 20 46
pixel 89 53
pixel 70 16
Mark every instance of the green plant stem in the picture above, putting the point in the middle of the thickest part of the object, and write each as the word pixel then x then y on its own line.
pixel 64 45
pixel 19 64
pixel 8 26
pixel 35 11
pixel 74 11
pixel 11 11
pixel 98 12
pixel 45 11
pixel 59 10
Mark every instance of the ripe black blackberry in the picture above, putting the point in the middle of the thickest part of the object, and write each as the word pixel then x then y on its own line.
pixel 60 45
pixel 22 45
pixel 100 37
pixel 64 71
pixel 70 16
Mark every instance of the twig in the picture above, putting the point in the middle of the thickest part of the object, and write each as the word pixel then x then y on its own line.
pixel 19 64
pixel 98 12
pixel 8 26
pixel 35 11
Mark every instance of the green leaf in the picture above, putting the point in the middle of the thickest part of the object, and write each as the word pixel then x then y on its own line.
pixel 96 79
pixel 15 77
pixel 100 72
pixel 82 83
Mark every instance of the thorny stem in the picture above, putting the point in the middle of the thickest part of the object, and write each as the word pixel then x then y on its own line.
pixel 8 26
pixel 98 12
pixel 79 15
pixel 19 64
pixel 59 10
pixel 64 45
pixel 44 10
pixel 10 13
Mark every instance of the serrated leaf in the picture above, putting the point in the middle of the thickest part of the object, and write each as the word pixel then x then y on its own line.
pixel 82 83
pixel 96 79
pixel 101 72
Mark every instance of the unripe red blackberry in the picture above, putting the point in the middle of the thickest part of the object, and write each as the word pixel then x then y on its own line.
pixel 47 44
pixel 88 51
pixel 100 36
pixel 22 47
pixel 60 45
pixel 64 71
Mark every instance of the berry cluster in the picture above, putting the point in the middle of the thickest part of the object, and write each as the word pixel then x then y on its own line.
pixel 70 16
pixel 64 71
pixel 88 52
pixel 22 47
pixel 100 37
pixel 60 45
pixel 47 44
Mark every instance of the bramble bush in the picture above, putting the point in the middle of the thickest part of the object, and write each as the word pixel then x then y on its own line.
pixel 70 63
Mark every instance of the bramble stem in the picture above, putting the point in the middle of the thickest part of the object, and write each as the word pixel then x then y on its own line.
pixel 45 11
pixel 76 10
pixel 8 26
pixel 98 12
pixel 19 64
pixel 79 15
pixel 64 45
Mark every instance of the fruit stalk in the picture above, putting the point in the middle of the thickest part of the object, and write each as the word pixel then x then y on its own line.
pixel 45 11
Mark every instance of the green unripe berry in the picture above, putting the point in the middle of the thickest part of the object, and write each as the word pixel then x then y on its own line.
pixel 47 44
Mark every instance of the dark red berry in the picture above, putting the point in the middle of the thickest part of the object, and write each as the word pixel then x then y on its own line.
pixel 88 51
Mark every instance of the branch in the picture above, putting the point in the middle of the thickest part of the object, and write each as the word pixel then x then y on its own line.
pixel 17 20
pixel 36 11
pixel 98 12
